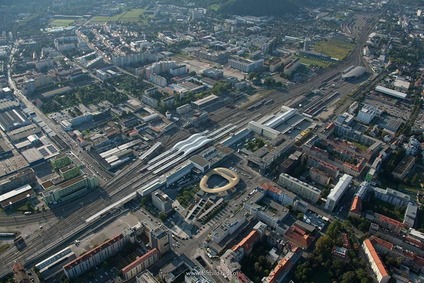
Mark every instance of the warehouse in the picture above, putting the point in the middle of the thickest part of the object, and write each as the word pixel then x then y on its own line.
pixel 12 119
pixel 391 92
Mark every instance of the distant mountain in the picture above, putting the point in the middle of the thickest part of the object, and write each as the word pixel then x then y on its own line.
pixel 266 7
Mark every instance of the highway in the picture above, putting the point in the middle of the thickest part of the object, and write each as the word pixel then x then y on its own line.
pixel 122 185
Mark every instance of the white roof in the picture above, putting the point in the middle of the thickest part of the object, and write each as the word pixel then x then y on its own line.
pixel 340 187
pixel 15 192
pixel 391 92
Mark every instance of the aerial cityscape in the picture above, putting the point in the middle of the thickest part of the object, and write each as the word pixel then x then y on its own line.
pixel 199 141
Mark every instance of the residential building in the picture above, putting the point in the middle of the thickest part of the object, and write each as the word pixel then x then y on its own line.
pixel 389 223
pixel 19 273
pixel 392 196
pixel 337 192
pixel 284 266
pixel 94 257
pixel 140 264
pixel 410 215
pixel 300 188
pixel 298 236
pixel 404 167
pixel 377 265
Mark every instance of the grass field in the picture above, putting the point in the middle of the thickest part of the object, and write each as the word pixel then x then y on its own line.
pixel 61 22
pixel 131 16
pixel 308 62
pixel 214 7
pixel 334 48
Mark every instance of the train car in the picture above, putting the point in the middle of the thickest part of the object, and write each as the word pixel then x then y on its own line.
pixel 7 235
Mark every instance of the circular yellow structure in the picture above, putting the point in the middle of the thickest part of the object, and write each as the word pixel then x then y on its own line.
pixel 229 175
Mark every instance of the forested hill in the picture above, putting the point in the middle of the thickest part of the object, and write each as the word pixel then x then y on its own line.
pixel 266 7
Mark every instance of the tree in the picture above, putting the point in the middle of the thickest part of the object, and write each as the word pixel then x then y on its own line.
pixel 348 277
pixel 162 216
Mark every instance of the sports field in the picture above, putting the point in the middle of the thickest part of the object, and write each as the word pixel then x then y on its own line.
pixel 61 22
pixel 131 16
pixel 334 48
pixel 309 62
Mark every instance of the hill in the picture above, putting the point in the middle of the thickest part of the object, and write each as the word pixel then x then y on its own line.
pixel 266 7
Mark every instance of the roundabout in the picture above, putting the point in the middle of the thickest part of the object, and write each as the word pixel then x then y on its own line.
pixel 229 175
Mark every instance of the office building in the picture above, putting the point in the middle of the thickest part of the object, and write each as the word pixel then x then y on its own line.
pixel 68 190
pixel 367 114
pixel 377 266
pixel 245 65
pixel 337 192
pixel 160 239
pixel 300 188
pixel 94 257
pixel 146 277
pixel 162 202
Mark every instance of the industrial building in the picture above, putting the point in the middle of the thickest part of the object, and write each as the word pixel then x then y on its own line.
pixel 12 119
pixel 391 92
pixel 337 192
pixel 26 176
pixel 300 188
pixel 12 165
pixel 205 102
pixel 268 126
pixel 16 196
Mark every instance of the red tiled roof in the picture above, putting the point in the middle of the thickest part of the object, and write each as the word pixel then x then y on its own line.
pixel 271 188
pixel 139 260
pixel 298 236
pixel 388 220
pixel 356 205
pixel 280 268
pixel 248 241
pixel 242 277
pixel 383 243
pixel 375 258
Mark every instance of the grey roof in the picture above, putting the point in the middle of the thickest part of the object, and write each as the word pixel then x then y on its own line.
pixel 356 72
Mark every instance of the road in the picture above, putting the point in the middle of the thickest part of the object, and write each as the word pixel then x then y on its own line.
pixel 119 187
